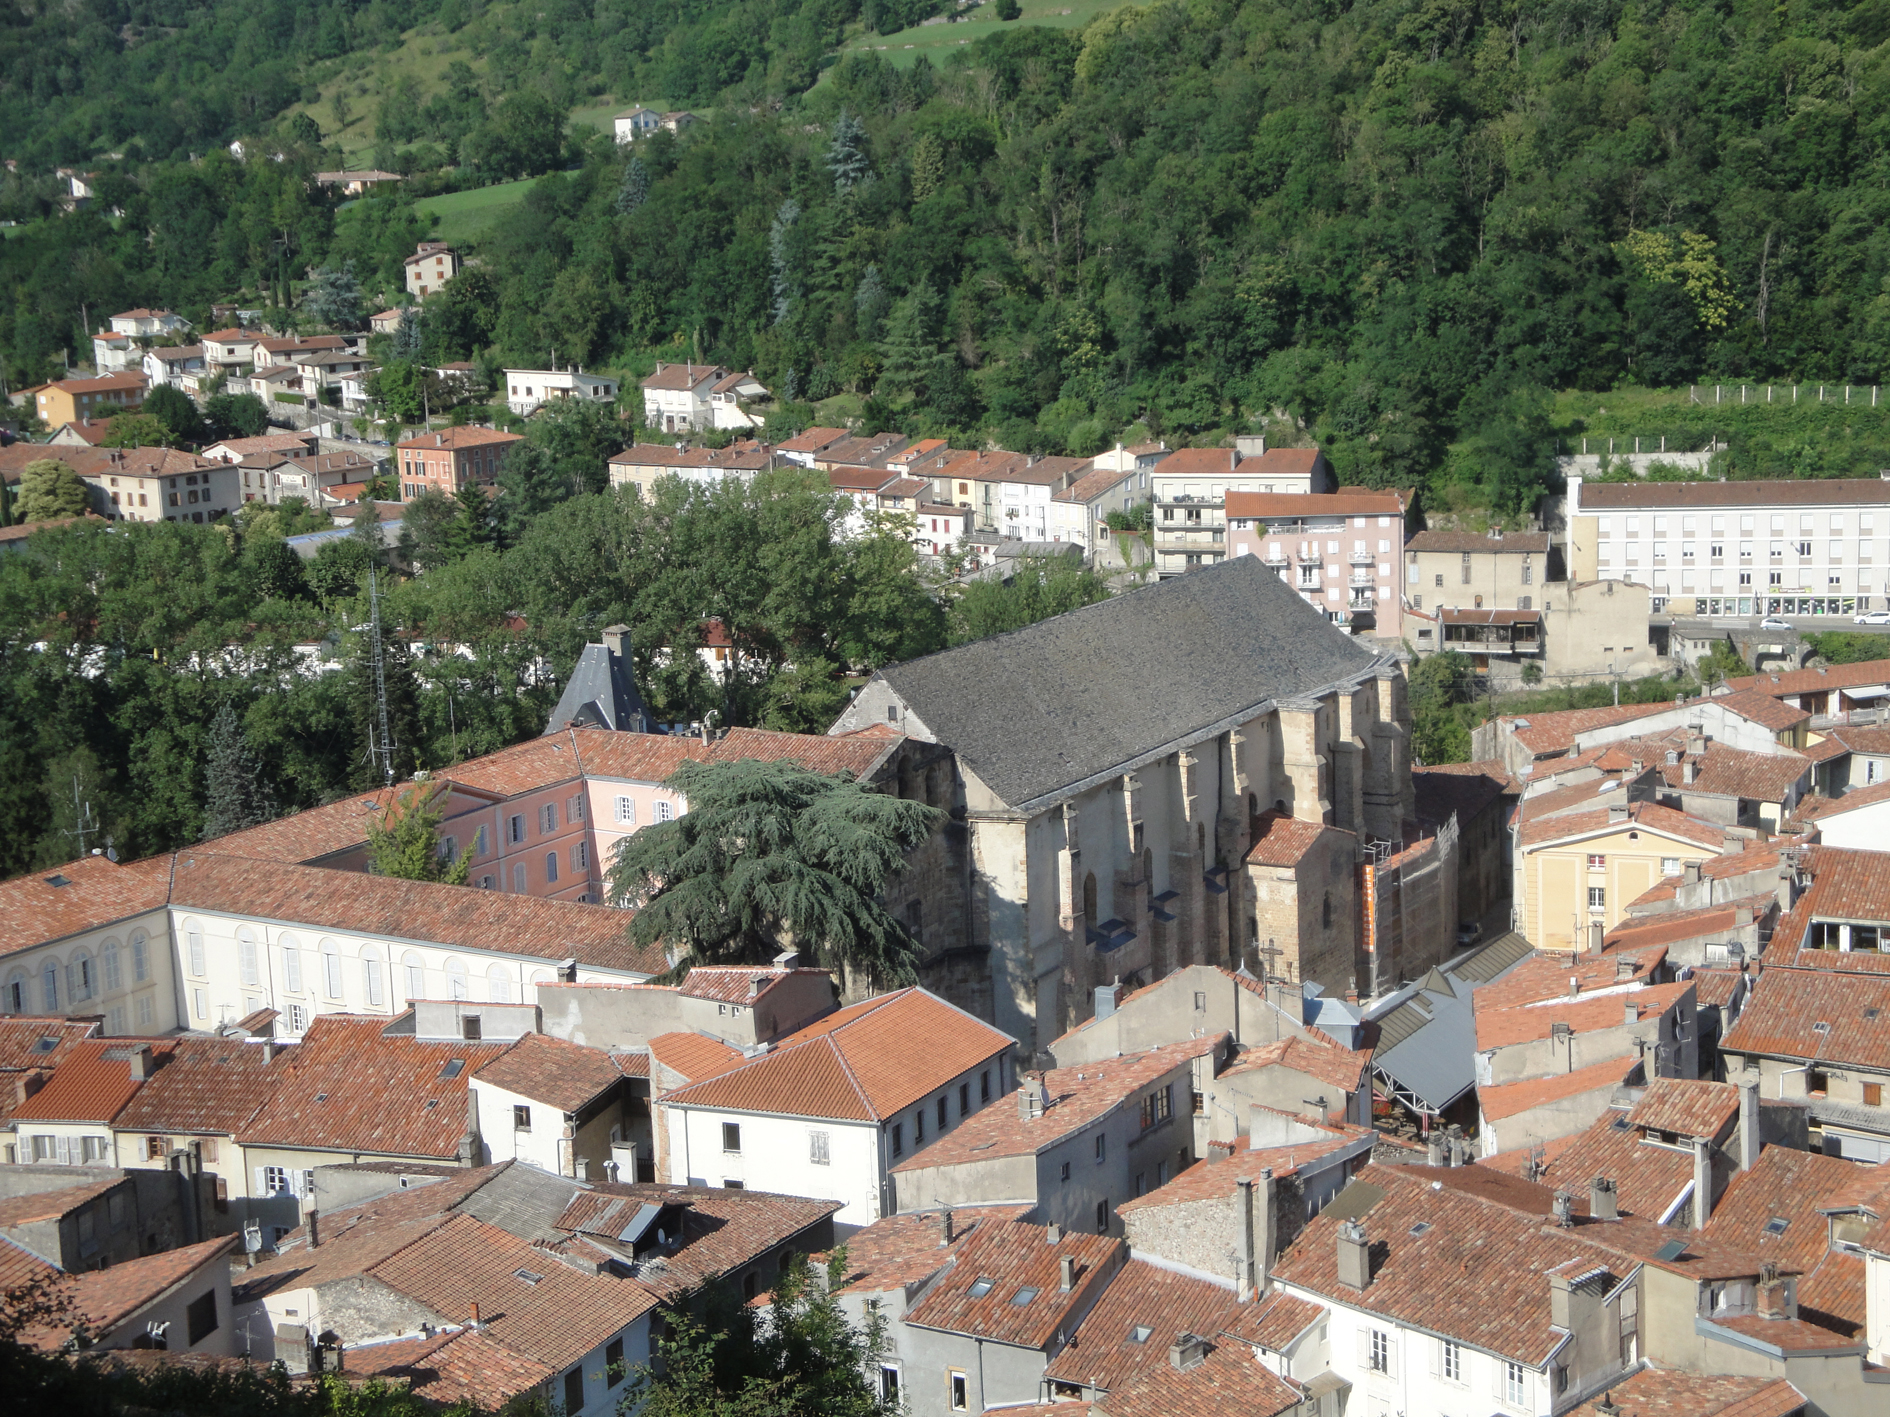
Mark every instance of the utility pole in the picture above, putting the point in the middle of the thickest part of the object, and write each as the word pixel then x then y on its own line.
pixel 84 823
pixel 383 746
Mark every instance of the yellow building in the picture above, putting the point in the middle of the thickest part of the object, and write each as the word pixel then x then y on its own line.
pixel 70 400
pixel 1577 872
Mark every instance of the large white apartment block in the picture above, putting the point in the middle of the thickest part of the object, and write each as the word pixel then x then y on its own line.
pixel 1737 548
pixel 527 390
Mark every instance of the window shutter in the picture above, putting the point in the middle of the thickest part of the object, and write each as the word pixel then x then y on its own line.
pixel 1391 1352
pixel 1364 1349
pixel 262 1181
pixel 1437 1358
pixel 65 1151
pixel 1498 1372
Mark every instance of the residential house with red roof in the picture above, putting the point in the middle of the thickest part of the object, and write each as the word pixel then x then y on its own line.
pixel 642 465
pixel 1075 1142
pixel 81 1218
pixel 450 459
pixel 692 397
pixel 831 1109
pixel 1746 720
pixel 555 1105
pixel 530 389
pixel 177 1301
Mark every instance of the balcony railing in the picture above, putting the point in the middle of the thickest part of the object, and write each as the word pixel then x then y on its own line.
pixel 1364 578
pixel 1360 558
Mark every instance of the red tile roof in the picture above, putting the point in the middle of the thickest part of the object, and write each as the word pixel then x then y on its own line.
pixel 1022 1265
pixel 105 1298
pixel 466 436
pixel 1219 1179
pixel 1503 1026
pixel 457 1366
pixel 1546 976
pixel 1544 734
pixel 692 1055
pixel 1688 1107
pixel 1861 674
pixel 1229 1380
pixel 312 833
pixel 1346 502
pixel 1139 1316
pixel 1074 1098
pixel 1648 1178
pixel 1718 988
pixel 1644 932
pixel 1336 1067
pixel 1819 492
pixel 1274 1321
pixel 849 755
pixel 899 1251
pixel 1647 816
pixel 864 1063
pixel 351 1087
pixel 1818 808
pixel 554 1318
pixel 1774 1210
pixel 1513 1099
pixel 1514 543
pixel 1781 1018
pixel 411 910
pixel 1201 462
pixel 35 912
pixel 1652 1392
pixel 1763 710
pixel 93 1084
pixel 1280 840
pixel 52 1205
pixel 524 767
pixel 28 1041
pixel 203 1086
pixel 566 1076
pixel 813 440
pixel 1732 772
pixel 733 984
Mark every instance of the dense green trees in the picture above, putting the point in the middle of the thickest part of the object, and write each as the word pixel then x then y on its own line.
pixel 50 489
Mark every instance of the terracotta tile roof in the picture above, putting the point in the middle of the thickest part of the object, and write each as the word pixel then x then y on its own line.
pixel 1095 483
pixel 898 1251
pixel 1074 1098
pixel 1863 673
pixel 1451 616
pixel 465 436
pixel 1501 1026
pixel 1022 1264
pixel 1780 1018
pixel 1647 816
pixel 693 1056
pixel 566 1076
pixel 849 755
pixel 863 1063
pixel 1717 868
pixel 1732 772
pixel 1814 493
pixel 1691 1108
pixel 1128 1333
pixel 1228 1380
pixel 1220 1179
pixel 1295 506
pixel 1718 988
pixel 905 487
pixel 1514 543
pixel 1336 1067
pixel 104 383
pixel 351 1087
pixel 1817 808
pixel 1763 710
pixel 1280 840
pixel 1774 1211
pixel 458 1366
pixel 33 911
pixel 1201 462
pixel 747 456
pixel 733 984
pixel 411 910
pixel 28 1041
pixel 203 1086
pixel 1545 976
pixel 51 1205
pixel 1274 1321
pixel 1555 732
pixel 721 1230
pixel 105 1298
pixel 19 1265
pixel 1475 1272
pixel 555 1318
pixel 93 1084
pixel 1645 932
pixel 813 440
pixel 1651 1392
pixel 312 833
pixel 637 757
pixel 1513 1099
pixel 267 443
pixel 525 767
pixel 681 377
pixel 1793 1335
pixel 1575 797
pixel 1648 1178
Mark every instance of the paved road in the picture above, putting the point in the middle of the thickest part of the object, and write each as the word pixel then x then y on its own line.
pixel 1749 624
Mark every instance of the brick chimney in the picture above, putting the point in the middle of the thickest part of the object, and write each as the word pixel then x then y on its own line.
pixel 1775 1299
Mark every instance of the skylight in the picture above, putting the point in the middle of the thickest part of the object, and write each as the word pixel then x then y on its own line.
pixel 1141 1333
pixel 56 880
pixel 453 1068
pixel 1776 1225
pixel 1420 1227
pixel 982 1286
pixel 45 1045
pixel 1024 1296
pixel 527 1276
pixel 1671 1251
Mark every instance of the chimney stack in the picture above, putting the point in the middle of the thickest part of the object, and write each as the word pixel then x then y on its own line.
pixel 1574 986
pixel 140 1061
pixel 1244 1286
pixel 1690 874
pixel 1188 1351
pixel 314 1229
pixel 945 1226
pixel 1775 1299
pixel 1625 966
pixel 1559 1305
pixel 474 1324
pixel 1633 1014
pixel 1602 1201
pixel 1434 1150
pixel 1053 1234
pixel 1749 1139
pixel 1702 1182
pixel 1689 769
pixel 1030 1099
pixel 1563 1208
pixel 1067 1282
pixel 1355 1264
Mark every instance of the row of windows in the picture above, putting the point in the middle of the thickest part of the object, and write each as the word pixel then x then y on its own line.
pixel 1807 523
pixel 941 1109
pixel 626 811
pixel 252 955
pixel 81 978
pixel 1378 1354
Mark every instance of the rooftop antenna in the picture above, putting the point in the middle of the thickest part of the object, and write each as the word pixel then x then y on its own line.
pixel 381 747
pixel 82 815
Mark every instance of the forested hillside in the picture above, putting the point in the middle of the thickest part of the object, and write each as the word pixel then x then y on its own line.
pixel 1400 224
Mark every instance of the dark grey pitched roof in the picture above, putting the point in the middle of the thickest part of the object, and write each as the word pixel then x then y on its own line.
pixel 603 691
pixel 1041 709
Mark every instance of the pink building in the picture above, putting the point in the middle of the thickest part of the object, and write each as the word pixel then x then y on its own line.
pixel 1343 551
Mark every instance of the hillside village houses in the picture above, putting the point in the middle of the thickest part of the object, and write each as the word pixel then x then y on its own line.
pixel 528 389
pixel 431 266
pixel 1339 550
pixel 686 397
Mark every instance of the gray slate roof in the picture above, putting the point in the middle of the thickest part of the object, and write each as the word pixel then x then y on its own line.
pixel 603 691
pixel 1427 1039
pixel 1084 694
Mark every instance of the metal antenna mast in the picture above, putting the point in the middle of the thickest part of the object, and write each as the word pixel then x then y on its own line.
pixel 84 823
pixel 383 746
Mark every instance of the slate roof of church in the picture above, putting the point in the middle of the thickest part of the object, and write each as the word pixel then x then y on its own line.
pixel 1116 683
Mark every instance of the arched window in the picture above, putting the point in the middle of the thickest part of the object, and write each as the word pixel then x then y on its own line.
pixel 193 948
pixel 551 867
pixel 540 976
pixel 499 984
pixel 373 978
pixel 1089 899
pixel 455 979
pixel 331 969
pixel 291 964
pixel 140 957
pixel 108 962
pixel 248 956
pixel 414 976
pixel 13 996
pixel 79 980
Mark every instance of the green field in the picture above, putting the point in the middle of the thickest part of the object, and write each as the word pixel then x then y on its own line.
pixel 936 41
pixel 463 215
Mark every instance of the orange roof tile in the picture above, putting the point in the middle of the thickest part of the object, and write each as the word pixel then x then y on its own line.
pixel 105 1298
pixel 1334 1066
pixel 1503 1026
pixel 1653 1392
pixel 1228 1380
pixel 1646 816
pixel 351 1087
pixel 1220 1179
pixel 736 984
pixel 566 1076
pixel 1024 1303
pixel 203 1086
pixel 93 1084
pixel 1346 502
pixel 1763 710
pixel 1514 1098
pixel 524 767
pixel 864 1063
pixel 1781 1018
pixel 97 892
pixel 1074 1098
pixel 1280 840
pixel 1864 672
pixel 899 1251
pixel 457 1366
pixel 1774 1210
pixel 51 1205
pixel 1648 1178
pixel 1128 1333
pixel 1546 975
pixel 849 755
pixel 1732 772
pixel 1555 732
pixel 692 1055
pixel 28 1041
pixel 1274 1321
pixel 466 436
pixel 1688 1107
